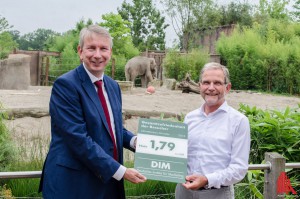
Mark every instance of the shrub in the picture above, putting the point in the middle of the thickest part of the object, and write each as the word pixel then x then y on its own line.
pixel 265 57
pixel 6 145
pixel 178 64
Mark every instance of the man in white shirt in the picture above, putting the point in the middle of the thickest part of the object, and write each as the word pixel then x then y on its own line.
pixel 218 141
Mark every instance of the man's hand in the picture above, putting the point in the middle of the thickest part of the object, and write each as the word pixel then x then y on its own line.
pixel 134 176
pixel 195 182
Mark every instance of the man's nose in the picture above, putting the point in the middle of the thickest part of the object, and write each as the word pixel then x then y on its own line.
pixel 211 85
pixel 97 53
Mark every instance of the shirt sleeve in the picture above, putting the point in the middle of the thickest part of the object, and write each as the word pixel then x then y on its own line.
pixel 132 142
pixel 238 165
pixel 119 173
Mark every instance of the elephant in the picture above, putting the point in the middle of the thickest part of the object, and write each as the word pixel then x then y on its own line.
pixel 141 66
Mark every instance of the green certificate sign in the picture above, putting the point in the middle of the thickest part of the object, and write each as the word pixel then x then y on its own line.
pixel 161 150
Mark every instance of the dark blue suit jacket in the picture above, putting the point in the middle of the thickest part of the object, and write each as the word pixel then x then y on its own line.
pixel 80 161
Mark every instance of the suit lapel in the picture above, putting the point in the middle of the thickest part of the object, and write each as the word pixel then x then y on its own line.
pixel 89 88
pixel 113 103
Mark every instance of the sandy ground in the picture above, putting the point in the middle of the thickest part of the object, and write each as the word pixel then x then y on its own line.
pixel 162 101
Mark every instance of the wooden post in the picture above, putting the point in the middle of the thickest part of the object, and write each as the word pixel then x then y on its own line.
pixel 277 162
pixel 47 72
pixel 113 68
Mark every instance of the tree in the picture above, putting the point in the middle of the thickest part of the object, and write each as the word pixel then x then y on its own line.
pixel 296 13
pixel 69 38
pixel 275 9
pixel 123 47
pixel 236 13
pixel 7 44
pixel 4 26
pixel 147 24
pixel 36 40
pixel 120 32
pixel 186 16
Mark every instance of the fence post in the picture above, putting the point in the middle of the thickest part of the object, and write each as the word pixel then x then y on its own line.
pixel 47 72
pixel 277 162
pixel 113 68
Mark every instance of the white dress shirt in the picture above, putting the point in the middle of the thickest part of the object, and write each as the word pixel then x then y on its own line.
pixel 218 145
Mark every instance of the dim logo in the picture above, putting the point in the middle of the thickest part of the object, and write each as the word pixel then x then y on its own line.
pixel 160 165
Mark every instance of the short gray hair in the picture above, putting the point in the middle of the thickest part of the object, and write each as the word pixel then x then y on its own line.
pixel 87 31
pixel 215 65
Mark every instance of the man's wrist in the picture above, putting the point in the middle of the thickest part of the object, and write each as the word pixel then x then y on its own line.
pixel 206 185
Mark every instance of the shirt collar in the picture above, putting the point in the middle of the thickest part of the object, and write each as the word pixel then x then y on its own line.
pixel 92 77
pixel 224 107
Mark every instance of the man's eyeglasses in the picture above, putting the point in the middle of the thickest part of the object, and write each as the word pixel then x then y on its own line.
pixel 215 84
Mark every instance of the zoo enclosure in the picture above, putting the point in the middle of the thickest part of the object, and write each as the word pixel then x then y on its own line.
pixel 274 166
pixel 40 65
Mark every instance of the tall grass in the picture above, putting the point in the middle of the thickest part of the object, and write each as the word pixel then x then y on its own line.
pixel 31 154
pixel 6 145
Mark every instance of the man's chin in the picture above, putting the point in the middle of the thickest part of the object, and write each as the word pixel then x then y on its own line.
pixel 210 103
pixel 98 68
pixel 211 100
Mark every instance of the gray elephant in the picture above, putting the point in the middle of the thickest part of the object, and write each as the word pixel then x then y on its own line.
pixel 144 67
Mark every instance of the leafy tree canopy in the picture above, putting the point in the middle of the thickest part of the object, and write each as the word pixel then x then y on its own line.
pixel 4 26
pixel 36 40
pixel 147 24
pixel 274 9
pixel 120 32
pixel 296 13
pixel 7 44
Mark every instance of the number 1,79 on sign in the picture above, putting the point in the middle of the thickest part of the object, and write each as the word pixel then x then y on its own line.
pixel 161 145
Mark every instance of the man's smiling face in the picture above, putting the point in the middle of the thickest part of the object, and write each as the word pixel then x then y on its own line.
pixel 95 53
pixel 213 88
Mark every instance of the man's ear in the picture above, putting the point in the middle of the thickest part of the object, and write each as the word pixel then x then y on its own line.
pixel 228 87
pixel 79 51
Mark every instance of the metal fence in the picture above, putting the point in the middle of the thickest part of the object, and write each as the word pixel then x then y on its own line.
pixel 275 165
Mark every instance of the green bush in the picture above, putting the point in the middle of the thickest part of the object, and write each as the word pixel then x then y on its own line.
pixel 178 64
pixel 7 44
pixel 119 73
pixel 274 131
pixel 7 151
pixel 265 57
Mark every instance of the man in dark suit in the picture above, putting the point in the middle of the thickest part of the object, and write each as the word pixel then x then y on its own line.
pixel 86 150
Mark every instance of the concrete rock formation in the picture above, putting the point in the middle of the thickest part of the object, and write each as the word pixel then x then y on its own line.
pixel 15 72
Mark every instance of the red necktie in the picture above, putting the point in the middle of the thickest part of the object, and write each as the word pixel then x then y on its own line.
pixel 104 106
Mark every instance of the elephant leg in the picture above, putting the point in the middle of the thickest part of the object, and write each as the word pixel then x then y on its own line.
pixel 143 81
pixel 127 75
pixel 148 78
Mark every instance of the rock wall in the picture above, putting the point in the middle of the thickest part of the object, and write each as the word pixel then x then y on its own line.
pixel 15 72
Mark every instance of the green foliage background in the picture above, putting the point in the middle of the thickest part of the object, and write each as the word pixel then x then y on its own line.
pixel 176 65
pixel 7 44
pixel 265 57
pixel 7 151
